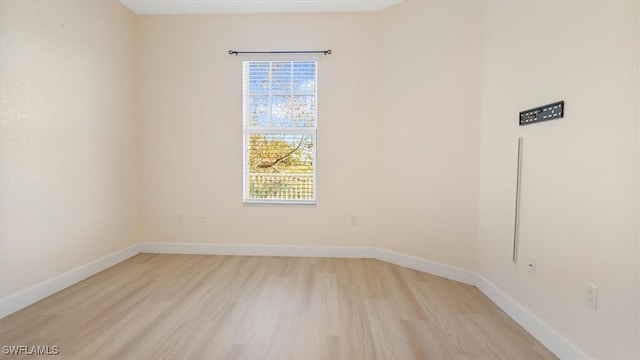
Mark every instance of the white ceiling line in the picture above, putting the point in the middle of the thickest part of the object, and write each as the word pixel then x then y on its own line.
pixel 158 7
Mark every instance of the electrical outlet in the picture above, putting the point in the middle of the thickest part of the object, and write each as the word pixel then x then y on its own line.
pixel 532 266
pixel 179 218
pixel 354 220
pixel 591 295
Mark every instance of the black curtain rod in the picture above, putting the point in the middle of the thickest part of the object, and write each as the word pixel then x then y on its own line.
pixel 324 52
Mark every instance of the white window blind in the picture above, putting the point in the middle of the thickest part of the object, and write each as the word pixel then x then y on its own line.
pixel 280 131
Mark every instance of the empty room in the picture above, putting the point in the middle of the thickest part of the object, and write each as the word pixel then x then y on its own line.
pixel 319 179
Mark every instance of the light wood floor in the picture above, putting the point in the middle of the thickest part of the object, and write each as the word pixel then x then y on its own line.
pixel 230 307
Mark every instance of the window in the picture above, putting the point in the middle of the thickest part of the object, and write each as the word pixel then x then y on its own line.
pixel 280 129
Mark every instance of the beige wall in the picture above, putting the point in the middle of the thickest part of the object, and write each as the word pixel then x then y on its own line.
pixel 413 101
pixel 192 125
pixel 69 162
pixel 430 91
pixel 579 209
pixel 191 115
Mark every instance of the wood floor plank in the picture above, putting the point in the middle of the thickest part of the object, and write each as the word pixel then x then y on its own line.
pixel 158 306
pixel 386 328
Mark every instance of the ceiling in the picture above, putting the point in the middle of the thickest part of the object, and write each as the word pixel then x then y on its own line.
pixel 153 7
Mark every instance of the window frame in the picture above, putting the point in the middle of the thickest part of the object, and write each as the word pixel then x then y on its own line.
pixel 275 130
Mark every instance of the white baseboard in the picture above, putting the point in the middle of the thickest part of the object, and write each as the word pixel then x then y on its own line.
pixel 35 293
pixel 426 266
pixel 553 341
pixel 257 250
pixel 446 271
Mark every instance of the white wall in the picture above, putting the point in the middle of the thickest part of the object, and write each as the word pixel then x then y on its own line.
pixel 579 209
pixel 68 174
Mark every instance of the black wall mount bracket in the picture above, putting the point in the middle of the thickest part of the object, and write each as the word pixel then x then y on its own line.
pixel 542 113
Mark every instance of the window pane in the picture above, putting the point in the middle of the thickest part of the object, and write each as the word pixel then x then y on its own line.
pixel 304 111
pixel 304 77
pixel 258 77
pixel 281 77
pixel 280 166
pixel 257 112
pixel 281 110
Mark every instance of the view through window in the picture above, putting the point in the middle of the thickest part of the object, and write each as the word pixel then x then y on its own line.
pixel 280 129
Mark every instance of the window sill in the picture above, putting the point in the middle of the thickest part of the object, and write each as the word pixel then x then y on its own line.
pixel 255 202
